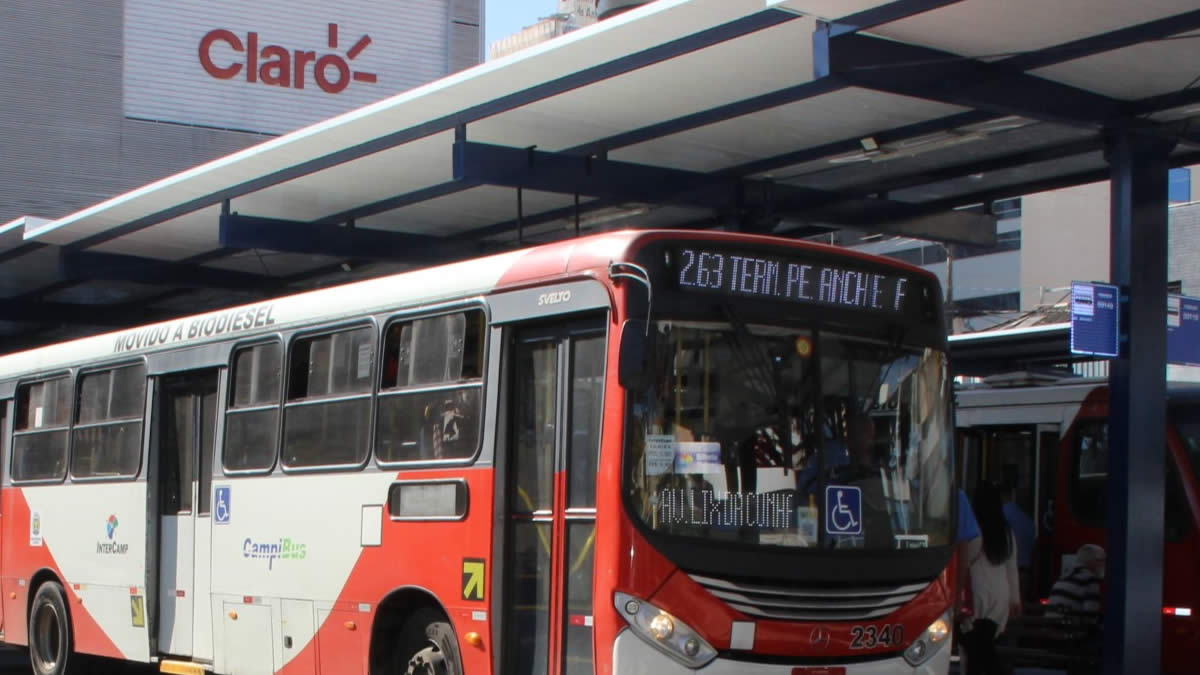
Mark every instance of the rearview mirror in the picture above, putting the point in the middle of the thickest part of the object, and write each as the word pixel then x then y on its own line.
pixel 636 367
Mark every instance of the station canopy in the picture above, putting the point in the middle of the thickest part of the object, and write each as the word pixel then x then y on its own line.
pixel 787 117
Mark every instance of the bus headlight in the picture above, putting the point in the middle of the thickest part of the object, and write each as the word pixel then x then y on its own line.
pixel 670 635
pixel 929 642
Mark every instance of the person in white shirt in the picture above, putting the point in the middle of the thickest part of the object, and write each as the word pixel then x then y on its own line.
pixel 995 589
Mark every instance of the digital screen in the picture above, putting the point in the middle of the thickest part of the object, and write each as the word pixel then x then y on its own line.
pixel 807 282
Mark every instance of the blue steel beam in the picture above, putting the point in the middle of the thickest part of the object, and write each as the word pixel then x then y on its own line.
pixel 76 266
pixel 397 202
pixel 533 220
pixel 921 72
pixel 990 164
pixel 1106 42
pixel 628 63
pixel 1174 99
pixel 239 231
pixel 869 18
pixel 1040 185
pixel 609 180
pixel 703 118
pixel 744 201
pixel 883 137
pixel 1137 417
pixel 877 16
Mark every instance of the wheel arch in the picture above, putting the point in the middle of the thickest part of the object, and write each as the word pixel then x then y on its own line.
pixel 390 616
pixel 38 579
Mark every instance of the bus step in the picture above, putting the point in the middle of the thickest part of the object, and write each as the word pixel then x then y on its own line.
pixel 180 668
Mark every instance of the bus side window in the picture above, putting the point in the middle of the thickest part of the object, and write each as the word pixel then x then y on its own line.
pixel 252 422
pixel 326 419
pixel 1091 472
pixel 39 444
pixel 430 393
pixel 107 436
pixel 1089 492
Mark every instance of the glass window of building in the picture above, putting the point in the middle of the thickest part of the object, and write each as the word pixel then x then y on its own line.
pixel 1179 186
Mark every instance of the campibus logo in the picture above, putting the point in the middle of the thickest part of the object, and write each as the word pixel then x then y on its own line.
pixel 279 66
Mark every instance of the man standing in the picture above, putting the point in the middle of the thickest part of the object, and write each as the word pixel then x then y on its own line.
pixel 1022 527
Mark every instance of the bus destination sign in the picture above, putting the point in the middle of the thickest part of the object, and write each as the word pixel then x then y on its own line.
pixel 806 282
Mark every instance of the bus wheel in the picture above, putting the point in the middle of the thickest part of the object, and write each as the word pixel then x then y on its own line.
pixel 50 645
pixel 428 646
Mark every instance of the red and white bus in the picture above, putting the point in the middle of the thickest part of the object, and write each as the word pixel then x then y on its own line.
pixel 624 453
pixel 1048 436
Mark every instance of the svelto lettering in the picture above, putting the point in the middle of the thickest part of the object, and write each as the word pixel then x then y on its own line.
pixel 554 298
pixel 224 55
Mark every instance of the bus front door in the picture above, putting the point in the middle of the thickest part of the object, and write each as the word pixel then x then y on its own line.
pixel 186 418
pixel 556 378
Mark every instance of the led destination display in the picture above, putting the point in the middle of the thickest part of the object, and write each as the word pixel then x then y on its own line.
pixel 797 281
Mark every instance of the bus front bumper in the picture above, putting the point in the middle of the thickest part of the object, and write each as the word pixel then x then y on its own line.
pixel 633 656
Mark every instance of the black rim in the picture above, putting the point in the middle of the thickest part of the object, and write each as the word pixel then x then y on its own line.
pixel 428 661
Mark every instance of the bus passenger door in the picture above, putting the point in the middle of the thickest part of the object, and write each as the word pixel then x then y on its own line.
pixel 186 419
pixel 555 376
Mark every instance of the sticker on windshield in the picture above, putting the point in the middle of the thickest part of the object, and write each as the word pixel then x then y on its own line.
pixel 660 454
pixel 912 540
pixel 695 457
pixel 843 509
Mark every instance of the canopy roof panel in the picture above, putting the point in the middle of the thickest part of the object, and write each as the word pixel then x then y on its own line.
pixel 759 115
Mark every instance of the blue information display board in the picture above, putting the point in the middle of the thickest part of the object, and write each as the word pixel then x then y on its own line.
pixel 1183 330
pixel 1095 319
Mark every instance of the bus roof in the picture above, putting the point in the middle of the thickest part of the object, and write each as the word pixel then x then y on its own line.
pixel 444 283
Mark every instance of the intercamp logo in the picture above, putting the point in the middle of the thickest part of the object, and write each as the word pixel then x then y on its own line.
pixel 112 546
pixel 277 66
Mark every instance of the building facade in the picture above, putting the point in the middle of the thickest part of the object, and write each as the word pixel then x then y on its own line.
pixel 1043 242
pixel 108 95
pixel 570 15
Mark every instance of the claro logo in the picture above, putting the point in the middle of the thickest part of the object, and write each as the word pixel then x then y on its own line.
pixel 277 66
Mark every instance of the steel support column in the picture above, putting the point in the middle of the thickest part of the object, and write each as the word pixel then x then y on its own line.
pixel 1137 419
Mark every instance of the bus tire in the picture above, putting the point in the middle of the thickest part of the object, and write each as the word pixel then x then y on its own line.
pixel 427 646
pixel 51 646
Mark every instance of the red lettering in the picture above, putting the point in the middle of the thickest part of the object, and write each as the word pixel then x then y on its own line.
pixel 252 57
pixel 363 43
pixel 206 61
pixel 278 66
pixel 277 71
pixel 343 73
pixel 302 59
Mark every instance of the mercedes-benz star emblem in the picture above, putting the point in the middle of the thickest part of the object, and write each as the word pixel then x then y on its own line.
pixel 819 637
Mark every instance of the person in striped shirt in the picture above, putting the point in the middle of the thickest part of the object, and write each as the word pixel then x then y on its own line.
pixel 1078 590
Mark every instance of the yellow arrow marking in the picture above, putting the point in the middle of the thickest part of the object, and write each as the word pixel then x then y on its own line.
pixel 472 579
pixel 137 607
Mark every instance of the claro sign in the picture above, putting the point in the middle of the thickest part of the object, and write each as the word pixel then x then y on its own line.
pixel 273 66
pixel 225 55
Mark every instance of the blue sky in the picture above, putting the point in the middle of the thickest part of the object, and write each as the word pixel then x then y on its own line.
pixel 505 17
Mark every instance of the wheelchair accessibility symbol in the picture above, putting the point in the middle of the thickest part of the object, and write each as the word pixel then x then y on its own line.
pixel 843 509
pixel 221 505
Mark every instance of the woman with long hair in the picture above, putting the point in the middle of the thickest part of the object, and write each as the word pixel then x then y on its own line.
pixel 996 593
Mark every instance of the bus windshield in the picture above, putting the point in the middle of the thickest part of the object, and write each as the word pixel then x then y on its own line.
pixel 763 435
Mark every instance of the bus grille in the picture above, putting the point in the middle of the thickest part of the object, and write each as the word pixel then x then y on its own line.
pixel 794 603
